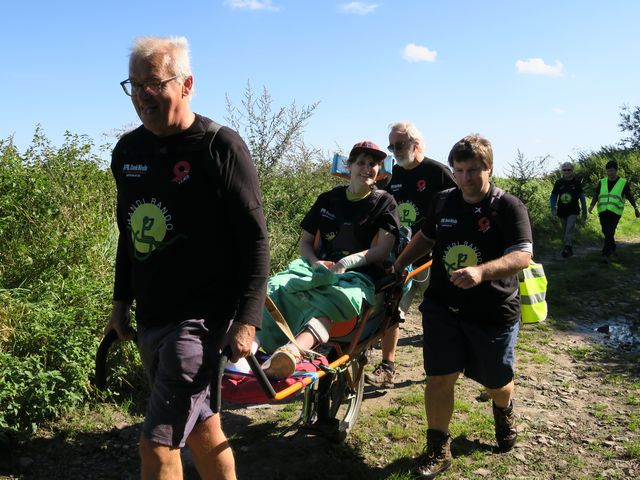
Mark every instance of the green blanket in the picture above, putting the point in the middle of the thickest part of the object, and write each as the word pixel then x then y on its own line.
pixel 303 291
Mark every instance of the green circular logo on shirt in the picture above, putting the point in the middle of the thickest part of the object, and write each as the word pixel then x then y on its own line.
pixel 565 198
pixel 408 213
pixel 458 256
pixel 148 227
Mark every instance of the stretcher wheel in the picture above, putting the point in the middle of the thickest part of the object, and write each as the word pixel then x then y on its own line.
pixel 340 401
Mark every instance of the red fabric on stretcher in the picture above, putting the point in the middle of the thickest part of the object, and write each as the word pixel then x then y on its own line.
pixel 244 388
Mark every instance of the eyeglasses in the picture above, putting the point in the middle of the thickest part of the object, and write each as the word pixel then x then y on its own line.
pixel 394 147
pixel 567 169
pixel 152 87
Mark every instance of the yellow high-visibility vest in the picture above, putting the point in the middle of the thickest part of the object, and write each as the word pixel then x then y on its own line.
pixel 533 292
pixel 611 200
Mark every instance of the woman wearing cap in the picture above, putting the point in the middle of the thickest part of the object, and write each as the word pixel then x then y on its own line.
pixel 347 234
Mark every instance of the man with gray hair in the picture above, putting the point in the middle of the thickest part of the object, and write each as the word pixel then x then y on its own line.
pixel 193 255
pixel 415 180
pixel 564 204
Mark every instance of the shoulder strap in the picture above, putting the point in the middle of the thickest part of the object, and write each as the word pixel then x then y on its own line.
pixel 496 195
pixel 210 135
pixel 442 199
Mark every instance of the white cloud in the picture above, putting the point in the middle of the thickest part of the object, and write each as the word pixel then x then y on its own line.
pixel 558 110
pixel 536 66
pixel 251 5
pixel 415 53
pixel 358 8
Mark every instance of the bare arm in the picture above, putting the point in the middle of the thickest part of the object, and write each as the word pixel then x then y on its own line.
pixel 502 267
pixel 376 254
pixel 594 200
pixel 419 246
pixel 305 245
pixel 120 320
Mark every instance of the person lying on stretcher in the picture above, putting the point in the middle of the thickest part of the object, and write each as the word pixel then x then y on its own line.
pixel 346 236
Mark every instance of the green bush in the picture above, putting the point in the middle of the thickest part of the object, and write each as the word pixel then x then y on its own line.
pixel 288 196
pixel 57 244
pixel 57 247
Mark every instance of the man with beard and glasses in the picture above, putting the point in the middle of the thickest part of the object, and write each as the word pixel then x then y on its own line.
pixel 415 180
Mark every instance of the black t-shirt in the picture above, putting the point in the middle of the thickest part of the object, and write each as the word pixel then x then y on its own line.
pixel 568 192
pixel 193 241
pixel 347 227
pixel 414 190
pixel 471 234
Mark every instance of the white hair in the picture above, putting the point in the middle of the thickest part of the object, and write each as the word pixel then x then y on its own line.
pixel 411 131
pixel 567 165
pixel 175 50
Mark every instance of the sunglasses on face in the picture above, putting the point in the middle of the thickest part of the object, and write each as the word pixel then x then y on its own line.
pixel 567 169
pixel 398 146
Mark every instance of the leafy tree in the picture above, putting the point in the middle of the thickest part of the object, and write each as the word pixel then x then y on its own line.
pixel 630 122
pixel 292 174
pixel 274 136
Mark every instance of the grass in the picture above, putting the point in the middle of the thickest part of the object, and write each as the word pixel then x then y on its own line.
pixel 387 440
pixel 632 449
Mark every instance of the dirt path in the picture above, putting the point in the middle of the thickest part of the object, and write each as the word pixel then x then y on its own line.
pixel 578 408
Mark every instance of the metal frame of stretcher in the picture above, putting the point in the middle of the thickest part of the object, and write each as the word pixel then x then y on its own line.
pixel 333 393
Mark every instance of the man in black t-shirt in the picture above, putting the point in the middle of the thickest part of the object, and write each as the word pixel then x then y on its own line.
pixel 193 254
pixel 480 237
pixel 564 203
pixel 414 182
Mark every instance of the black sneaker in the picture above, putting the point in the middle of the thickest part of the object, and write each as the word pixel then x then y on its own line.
pixel 569 250
pixel 505 423
pixel 565 252
pixel 437 457
pixel 381 377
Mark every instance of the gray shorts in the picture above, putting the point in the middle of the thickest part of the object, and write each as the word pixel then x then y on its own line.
pixel 180 361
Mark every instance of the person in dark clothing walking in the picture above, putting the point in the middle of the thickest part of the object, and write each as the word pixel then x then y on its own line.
pixel 480 237
pixel 566 193
pixel 193 255
pixel 415 180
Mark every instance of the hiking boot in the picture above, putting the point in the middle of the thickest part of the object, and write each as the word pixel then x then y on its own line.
pixel 282 363
pixel 381 377
pixel 437 455
pixel 505 423
pixel 483 396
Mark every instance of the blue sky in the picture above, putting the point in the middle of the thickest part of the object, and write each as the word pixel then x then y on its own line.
pixel 544 77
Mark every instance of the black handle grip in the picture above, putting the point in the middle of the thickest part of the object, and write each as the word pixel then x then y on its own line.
pixel 261 377
pixel 100 378
pixel 216 394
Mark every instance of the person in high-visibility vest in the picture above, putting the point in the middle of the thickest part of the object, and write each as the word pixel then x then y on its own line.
pixel 609 195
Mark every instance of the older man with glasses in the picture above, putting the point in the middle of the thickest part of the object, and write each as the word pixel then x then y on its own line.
pixel 193 255
pixel 564 204
pixel 415 180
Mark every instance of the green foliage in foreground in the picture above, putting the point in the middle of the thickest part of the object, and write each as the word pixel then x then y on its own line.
pixel 57 246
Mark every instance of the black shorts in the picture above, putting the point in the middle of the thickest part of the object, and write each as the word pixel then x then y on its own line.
pixel 180 361
pixel 483 352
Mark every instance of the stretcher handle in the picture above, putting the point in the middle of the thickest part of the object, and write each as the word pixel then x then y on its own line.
pixel 422 267
pixel 216 393
pixel 100 377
